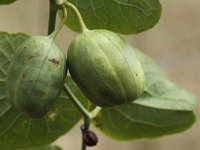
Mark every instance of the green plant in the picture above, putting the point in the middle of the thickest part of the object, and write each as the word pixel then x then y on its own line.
pixel 162 108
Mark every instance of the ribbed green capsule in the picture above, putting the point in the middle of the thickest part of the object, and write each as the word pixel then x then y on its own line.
pixel 105 68
pixel 36 76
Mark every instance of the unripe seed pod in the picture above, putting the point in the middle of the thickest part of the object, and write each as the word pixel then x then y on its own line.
pixel 36 76
pixel 105 68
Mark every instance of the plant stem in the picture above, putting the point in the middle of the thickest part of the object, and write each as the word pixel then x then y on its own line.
pixel 75 100
pixel 80 19
pixel 89 115
pixel 86 126
pixel 52 16
pixel 56 31
pixel 84 146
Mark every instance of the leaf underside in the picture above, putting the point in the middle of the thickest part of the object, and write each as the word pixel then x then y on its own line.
pixel 134 121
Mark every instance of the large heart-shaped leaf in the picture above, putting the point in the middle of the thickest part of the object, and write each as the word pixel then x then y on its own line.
pixel 147 120
pixel 163 109
pixel 16 129
pixel 122 16
pixel 134 121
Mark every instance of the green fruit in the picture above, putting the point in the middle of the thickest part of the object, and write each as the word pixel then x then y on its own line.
pixel 105 68
pixel 36 76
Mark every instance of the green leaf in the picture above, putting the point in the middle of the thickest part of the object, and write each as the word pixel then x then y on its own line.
pixel 134 121
pixel 122 16
pixel 16 129
pixel 163 109
pixel 3 2
pixel 49 147
pixel 159 92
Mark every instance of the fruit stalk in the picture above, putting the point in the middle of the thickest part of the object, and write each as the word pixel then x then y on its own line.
pixel 77 103
pixel 89 115
pixel 80 19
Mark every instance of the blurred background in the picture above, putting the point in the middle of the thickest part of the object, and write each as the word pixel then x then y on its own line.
pixel 174 43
